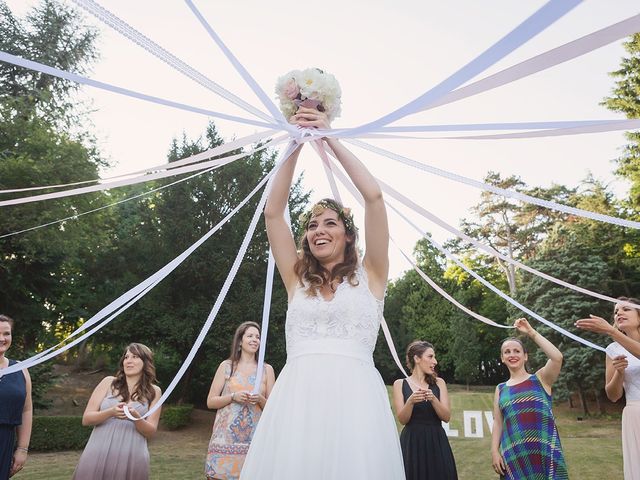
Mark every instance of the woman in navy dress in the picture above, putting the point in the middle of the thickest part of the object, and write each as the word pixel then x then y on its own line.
pixel 16 414
pixel 422 404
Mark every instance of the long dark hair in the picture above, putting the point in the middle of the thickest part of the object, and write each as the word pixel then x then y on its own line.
pixel 417 348
pixel 236 345
pixel 310 271
pixel 630 300
pixel 144 388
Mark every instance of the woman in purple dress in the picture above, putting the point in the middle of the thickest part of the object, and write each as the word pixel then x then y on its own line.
pixel 117 448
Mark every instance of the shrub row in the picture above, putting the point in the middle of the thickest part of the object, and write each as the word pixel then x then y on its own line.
pixel 176 416
pixel 51 434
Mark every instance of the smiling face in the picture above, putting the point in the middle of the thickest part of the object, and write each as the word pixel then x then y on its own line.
pixel 5 337
pixel 426 362
pixel 513 355
pixel 327 237
pixel 626 318
pixel 251 340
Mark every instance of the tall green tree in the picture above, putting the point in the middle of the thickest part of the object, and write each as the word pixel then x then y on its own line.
pixel 56 35
pixel 40 269
pixel 156 230
pixel 625 98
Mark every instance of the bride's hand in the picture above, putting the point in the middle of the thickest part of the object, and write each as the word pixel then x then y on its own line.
pixel 310 118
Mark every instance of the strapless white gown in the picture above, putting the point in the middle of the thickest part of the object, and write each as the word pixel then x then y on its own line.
pixel 328 416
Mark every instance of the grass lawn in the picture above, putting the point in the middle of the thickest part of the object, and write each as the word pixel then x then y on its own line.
pixel 592 447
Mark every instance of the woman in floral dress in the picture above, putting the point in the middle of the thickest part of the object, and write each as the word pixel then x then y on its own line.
pixel 238 408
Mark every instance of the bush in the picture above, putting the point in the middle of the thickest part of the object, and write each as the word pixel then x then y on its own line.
pixel 51 434
pixel 176 416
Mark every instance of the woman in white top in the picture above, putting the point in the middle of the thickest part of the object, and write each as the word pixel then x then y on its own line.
pixel 623 374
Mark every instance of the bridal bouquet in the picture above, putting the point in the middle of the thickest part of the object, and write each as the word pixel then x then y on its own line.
pixel 312 88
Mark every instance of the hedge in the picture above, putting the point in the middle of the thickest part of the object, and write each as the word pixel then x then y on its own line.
pixel 50 434
pixel 176 416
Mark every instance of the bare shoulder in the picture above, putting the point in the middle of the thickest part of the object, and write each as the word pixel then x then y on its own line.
pixel 158 391
pixel 440 382
pixel 398 383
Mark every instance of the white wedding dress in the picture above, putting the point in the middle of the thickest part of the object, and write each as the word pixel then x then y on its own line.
pixel 328 416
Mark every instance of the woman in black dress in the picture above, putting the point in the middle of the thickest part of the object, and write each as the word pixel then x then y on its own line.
pixel 422 404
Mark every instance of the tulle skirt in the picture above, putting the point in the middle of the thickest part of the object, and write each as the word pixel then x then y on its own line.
pixel 631 440
pixel 327 418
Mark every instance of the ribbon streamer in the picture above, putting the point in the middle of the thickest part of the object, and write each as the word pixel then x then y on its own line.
pixel 389 190
pixel 134 35
pixel 498 191
pixel 143 286
pixel 215 151
pixel 244 73
pixel 223 292
pixel 132 181
pixel 536 23
pixel 496 290
pixel 40 67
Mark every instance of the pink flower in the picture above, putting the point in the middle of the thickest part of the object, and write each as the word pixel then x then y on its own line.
pixel 291 89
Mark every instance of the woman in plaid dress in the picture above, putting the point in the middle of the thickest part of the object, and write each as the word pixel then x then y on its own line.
pixel 525 444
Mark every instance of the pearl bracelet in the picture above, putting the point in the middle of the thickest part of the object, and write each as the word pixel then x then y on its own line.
pixel 24 449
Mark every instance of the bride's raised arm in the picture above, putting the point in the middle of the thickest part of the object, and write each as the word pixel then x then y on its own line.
pixel 281 239
pixel 376 227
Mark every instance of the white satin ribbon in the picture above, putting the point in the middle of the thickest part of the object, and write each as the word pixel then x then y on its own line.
pixel 139 290
pixel 545 60
pixel 407 202
pixel 149 45
pixel 496 290
pixel 499 191
pixel 40 67
pixel 536 23
pixel 212 152
pixel 244 73
pixel 356 194
pixel 487 284
pixel 224 290
pixel 143 178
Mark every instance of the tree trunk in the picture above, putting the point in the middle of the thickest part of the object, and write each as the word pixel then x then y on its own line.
pixel 583 400
pixel 186 385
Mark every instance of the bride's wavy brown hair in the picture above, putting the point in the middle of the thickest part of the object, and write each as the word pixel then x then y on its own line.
pixel 144 389
pixel 310 271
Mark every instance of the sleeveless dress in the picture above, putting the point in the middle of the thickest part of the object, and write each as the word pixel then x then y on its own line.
pixel 232 429
pixel 328 416
pixel 115 450
pixel 631 412
pixel 530 444
pixel 13 392
pixel 425 447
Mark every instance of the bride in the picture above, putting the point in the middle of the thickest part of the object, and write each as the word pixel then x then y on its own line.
pixel 328 417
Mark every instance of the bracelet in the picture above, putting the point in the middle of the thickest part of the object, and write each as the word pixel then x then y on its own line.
pixel 24 449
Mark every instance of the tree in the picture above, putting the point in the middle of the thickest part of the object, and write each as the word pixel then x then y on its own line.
pixel 53 34
pixel 625 98
pixel 156 230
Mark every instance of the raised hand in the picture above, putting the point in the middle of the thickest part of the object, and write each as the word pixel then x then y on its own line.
pixel 620 363
pixel 523 326
pixel 595 324
pixel 310 118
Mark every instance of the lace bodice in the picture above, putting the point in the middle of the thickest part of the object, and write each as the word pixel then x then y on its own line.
pixel 346 325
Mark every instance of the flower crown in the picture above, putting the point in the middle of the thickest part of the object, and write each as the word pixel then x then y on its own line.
pixel 312 88
pixel 344 214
